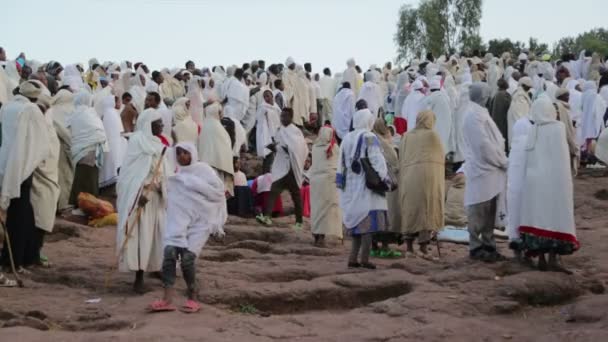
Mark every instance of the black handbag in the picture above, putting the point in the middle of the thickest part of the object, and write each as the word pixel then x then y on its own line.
pixel 372 179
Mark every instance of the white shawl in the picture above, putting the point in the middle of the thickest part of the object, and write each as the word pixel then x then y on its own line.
pixel 88 132
pixel 413 104
pixel 593 110
pixel 25 144
pixel 343 110
pixel 439 103
pixel 117 144
pixel 214 144
pixel 268 122
pixel 196 205
pixel 290 138
pixel 144 249
pixel 372 94
pixel 547 209
pixel 356 200
pixel 516 175
pixel 520 107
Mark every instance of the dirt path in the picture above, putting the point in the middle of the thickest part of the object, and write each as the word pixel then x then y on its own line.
pixel 270 284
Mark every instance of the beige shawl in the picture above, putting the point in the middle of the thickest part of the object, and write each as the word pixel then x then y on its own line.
pixel 563 110
pixel 326 215
pixel 392 161
pixel 185 129
pixel 421 180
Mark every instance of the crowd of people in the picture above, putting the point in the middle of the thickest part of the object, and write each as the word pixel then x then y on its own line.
pixel 513 130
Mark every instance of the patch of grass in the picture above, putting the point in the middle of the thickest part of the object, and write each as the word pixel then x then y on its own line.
pixel 247 309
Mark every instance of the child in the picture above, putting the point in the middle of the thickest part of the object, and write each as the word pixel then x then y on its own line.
pixel 241 204
pixel 287 171
pixel 196 208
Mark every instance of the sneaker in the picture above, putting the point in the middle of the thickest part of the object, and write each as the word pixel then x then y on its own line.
pixel 265 220
pixel 298 226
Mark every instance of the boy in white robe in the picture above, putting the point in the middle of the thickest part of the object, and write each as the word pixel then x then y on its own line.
pixel 288 167
pixel 196 209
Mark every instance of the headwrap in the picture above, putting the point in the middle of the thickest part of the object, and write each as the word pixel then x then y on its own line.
pixel 30 89
pixel 289 61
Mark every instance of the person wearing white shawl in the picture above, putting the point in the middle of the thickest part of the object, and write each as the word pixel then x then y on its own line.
pixel 89 142
pixel 414 104
pixel 137 89
pixel 240 135
pixel 25 147
pixel 364 211
pixel 401 92
pixel 513 80
pixel 485 171
pixel 196 209
pixel 291 152
pixel 516 174
pixel 236 94
pixel 460 111
pixel 62 106
pixel 328 92
pixel 343 110
pixel 141 195
pixel 520 104
pixel 326 216
pixel 197 100
pixel 351 75
pixel 210 91
pixel 185 129
pixel 547 223
pixel 117 144
pixel 12 77
pixel 495 72
pixel 371 92
pixel 268 119
pixel 576 109
pixel 172 88
pixel 593 110
pixel 215 146
pixel 45 185
pixel 256 100
pixel 73 78
pixel 438 102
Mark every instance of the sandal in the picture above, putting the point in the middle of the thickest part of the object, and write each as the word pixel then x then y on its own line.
pixel 190 307
pixel 5 282
pixel 160 306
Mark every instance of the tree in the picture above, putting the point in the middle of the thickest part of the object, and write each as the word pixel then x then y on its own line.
pixel 438 26
pixel 535 47
pixel 499 46
pixel 595 40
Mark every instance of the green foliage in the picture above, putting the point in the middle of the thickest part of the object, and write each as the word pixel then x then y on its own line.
pixel 438 26
pixel 595 40
pixel 247 309
pixel 499 46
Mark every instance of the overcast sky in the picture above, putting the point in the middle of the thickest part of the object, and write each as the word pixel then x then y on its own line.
pixel 210 32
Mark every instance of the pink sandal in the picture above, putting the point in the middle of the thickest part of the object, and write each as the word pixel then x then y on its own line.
pixel 190 307
pixel 160 306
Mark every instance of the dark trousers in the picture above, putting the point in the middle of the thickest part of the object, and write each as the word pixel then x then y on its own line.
pixel 188 266
pixel 286 183
pixel 25 238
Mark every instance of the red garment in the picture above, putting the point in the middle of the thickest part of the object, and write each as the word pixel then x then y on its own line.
pixel 164 140
pixel 332 143
pixel 305 194
pixel 261 200
pixel 400 125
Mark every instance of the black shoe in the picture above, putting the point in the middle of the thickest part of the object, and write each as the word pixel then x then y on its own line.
pixel 354 265
pixel 368 265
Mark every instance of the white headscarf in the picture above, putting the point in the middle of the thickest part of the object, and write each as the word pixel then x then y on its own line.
pixel 88 132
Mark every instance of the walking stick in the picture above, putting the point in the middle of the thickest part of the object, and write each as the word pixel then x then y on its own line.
pixel 7 241
pixel 438 246
pixel 129 233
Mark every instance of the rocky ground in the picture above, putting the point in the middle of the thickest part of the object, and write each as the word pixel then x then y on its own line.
pixel 270 284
